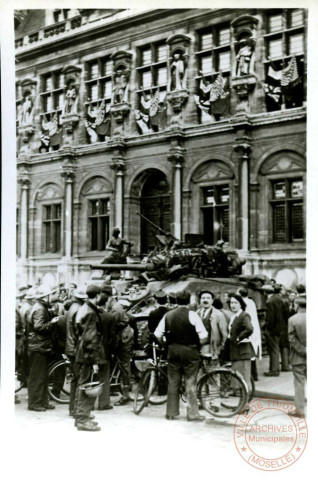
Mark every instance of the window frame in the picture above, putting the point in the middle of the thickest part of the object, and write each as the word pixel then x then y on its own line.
pixel 215 50
pixel 218 208
pixel 288 201
pixel 101 245
pixel 53 222
pixel 153 68
pixel 103 77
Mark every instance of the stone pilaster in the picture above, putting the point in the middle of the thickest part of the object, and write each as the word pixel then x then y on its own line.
pixel 176 158
pixel 118 165
pixel 243 150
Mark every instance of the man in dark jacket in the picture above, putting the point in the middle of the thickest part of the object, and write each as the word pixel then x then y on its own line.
pixel 161 308
pixel 71 341
pixel 40 347
pixel 184 331
pixel 274 325
pixel 90 354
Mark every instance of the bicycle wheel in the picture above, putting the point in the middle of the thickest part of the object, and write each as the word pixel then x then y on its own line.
pixel 159 393
pixel 60 377
pixel 222 392
pixel 144 390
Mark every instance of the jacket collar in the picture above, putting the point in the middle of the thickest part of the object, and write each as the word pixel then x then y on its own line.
pixel 94 307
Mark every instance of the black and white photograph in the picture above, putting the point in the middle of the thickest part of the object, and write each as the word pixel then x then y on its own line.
pixel 156 272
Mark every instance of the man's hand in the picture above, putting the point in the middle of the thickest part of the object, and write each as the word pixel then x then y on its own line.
pixel 54 320
pixel 95 369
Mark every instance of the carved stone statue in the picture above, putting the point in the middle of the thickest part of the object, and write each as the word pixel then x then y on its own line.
pixel 243 58
pixel 177 72
pixel 120 86
pixel 26 113
pixel 70 100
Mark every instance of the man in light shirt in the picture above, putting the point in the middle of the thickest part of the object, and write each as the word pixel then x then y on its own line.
pixel 185 333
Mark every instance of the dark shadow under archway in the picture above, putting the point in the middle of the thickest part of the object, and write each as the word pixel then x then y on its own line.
pixel 155 205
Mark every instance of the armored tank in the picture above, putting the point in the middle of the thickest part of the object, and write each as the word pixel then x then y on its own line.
pixel 174 265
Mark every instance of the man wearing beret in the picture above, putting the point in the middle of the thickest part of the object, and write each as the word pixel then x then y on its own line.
pixel 298 354
pixel 90 354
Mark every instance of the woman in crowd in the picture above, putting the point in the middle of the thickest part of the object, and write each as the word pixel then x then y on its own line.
pixel 241 349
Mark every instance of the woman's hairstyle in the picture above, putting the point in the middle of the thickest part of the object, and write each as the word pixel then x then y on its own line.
pixel 239 299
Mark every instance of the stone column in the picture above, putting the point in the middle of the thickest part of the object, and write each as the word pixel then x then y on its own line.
pixel 25 183
pixel 119 168
pixel 177 160
pixel 68 175
pixel 254 192
pixel 243 149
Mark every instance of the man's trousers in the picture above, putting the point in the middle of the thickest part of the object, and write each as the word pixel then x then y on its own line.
pixel 85 404
pixel 183 360
pixel 38 379
pixel 300 378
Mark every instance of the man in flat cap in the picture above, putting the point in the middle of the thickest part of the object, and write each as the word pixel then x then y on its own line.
pixel 40 347
pixel 90 354
pixel 298 354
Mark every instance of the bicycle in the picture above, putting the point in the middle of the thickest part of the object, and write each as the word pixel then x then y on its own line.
pixel 221 391
pixel 61 375
pixel 152 387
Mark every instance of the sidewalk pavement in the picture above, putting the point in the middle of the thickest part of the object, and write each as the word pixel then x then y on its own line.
pixel 278 387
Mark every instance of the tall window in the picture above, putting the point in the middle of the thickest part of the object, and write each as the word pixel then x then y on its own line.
pixel 287 210
pixel 52 215
pixel 99 81
pixel 214 51
pixel 152 69
pixel 52 94
pixel 285 39
pixel 216 213
pixel 98 218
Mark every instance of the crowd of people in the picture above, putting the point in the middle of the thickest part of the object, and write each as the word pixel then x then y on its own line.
pixel 91 325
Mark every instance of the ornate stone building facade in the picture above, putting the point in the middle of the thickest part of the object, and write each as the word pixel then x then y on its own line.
pixel 195 118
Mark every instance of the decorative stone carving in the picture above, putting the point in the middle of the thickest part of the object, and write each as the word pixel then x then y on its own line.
pixel 243 87
pixel 49 191
pixel 211 171
pixel 119 112
pixel 285 161
pixel 177 99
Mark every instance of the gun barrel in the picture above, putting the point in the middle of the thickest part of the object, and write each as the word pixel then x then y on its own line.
pixel 141 267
